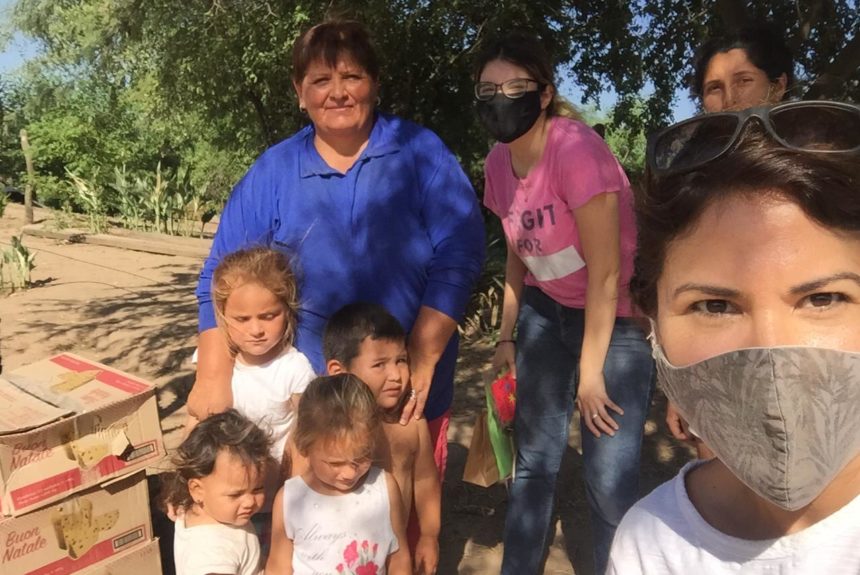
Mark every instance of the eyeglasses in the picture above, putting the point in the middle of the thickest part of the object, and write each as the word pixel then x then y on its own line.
pixel 513 89
pixel 814 126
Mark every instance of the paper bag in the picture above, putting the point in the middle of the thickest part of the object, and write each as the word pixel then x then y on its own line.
pixel 481 468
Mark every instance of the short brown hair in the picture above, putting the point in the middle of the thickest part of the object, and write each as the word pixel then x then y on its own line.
pixel 266 267
pixel 331 40
pixel 336 408
pixel 825 186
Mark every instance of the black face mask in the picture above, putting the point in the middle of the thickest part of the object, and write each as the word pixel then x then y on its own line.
pixel 506 119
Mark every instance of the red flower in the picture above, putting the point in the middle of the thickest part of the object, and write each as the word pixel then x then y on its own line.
pixel 350 554
pixel 364 544
pixel 503 392
pixel 367 569
pixel 339 567
pixel 375 547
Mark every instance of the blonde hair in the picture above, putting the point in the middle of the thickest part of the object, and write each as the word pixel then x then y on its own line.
pixel 338 409
pixel 258 265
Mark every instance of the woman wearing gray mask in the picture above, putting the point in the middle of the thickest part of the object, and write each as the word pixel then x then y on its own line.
pixel 749 268
pixel 566 208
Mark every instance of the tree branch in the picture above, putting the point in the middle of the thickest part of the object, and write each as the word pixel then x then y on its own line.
pixel 833 76
pixel 260 109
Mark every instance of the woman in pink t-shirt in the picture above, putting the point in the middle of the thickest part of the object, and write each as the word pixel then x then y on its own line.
pixel 566 208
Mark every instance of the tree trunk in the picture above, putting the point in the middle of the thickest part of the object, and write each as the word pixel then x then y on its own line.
pixel 31 177
pixel 260 109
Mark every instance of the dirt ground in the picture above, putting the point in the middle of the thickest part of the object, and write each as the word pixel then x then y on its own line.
pixel 137 312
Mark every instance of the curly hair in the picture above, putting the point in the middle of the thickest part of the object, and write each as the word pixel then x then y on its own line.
pixel 195 458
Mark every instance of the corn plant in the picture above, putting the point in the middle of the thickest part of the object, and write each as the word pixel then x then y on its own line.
pixel 16 264
pixel 158 201
pixel 91 197
pixel 132 203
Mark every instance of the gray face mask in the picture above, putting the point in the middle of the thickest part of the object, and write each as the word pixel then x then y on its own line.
pixel 783 420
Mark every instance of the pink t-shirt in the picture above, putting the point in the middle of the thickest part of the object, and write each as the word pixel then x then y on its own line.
pixel 537 211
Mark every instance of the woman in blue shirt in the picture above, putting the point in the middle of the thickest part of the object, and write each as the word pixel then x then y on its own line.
pixel 371 207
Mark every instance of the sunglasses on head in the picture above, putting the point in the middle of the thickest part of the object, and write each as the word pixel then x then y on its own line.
pixel 814 126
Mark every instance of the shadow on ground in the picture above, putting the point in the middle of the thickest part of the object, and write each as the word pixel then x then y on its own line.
pixel 148 331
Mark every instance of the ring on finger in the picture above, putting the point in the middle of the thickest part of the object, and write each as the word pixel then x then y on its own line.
pixel 595 415
pixel 413 395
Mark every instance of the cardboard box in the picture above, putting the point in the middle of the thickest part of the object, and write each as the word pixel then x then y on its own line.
pixel 144 560
pixel 70 423
pixel 79 532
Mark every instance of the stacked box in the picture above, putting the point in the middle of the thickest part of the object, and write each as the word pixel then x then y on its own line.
pixel 75 436
pixel 90 527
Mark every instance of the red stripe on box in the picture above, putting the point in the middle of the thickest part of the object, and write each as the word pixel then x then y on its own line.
pixel 97 553
pixel 45 488
pixel 110 378
pixel 72 363
pixel 121 382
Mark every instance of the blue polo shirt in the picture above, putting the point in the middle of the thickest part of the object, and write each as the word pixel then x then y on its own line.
pixel 400 228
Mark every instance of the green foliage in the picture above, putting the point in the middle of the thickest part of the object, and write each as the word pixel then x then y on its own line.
pixel 183 95
pixel 11 122
pixel 16 264
pixel 91 197
pixel 168 203
pixel 129 193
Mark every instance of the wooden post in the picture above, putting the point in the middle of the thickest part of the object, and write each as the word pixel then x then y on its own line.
pixel 31 177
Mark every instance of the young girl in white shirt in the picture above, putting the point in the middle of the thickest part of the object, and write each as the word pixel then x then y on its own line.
pixel 342 515
pixel 255 297
pixel 216 489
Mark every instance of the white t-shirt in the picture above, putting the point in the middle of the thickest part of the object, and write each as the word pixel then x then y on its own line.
pixel 664 534
pixel 262 393
pixel 351 530
pixel 215 548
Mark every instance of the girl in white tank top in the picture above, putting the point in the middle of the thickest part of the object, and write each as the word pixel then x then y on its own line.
pixel 342 515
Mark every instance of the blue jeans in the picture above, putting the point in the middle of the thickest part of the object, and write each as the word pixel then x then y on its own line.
pixel 549 341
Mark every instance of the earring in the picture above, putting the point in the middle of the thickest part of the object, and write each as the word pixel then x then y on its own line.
pixel 302 109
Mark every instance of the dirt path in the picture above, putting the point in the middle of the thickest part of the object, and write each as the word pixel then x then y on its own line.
pixel 136 311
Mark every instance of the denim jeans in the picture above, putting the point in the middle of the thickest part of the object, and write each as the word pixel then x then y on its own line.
pixel 549 341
